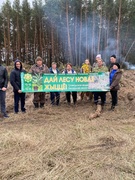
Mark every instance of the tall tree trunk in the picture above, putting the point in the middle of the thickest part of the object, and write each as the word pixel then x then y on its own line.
pixel 75 40
pixel 26 41
pixel 118 31
pixel 126 40
pixel 99 33
pixel 40 38
pixel 43 42
pixel 5 38
pixel 80 38
pixel 8 44
pixel 93 39
pixel 52 44
pixel 68 34
pixel 35 40
pixel 18 39
pixel 86 30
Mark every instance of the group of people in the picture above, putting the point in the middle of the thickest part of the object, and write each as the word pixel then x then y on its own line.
pixel 40 68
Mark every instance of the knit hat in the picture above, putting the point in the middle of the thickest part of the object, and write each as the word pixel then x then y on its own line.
pixel 114 56
pixel 98 56
pixel 117 64
pixel 39 59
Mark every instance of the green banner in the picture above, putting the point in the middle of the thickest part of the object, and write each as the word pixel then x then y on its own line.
pixel 65 82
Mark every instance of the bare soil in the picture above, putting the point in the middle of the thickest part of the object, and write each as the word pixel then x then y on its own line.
pixel 58 143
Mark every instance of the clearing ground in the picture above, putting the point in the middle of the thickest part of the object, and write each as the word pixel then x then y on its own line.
pixel 61 143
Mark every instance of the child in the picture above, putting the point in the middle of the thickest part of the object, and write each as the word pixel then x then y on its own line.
pixel 115 76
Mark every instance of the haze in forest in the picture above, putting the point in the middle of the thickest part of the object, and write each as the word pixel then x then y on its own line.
pixel 68 31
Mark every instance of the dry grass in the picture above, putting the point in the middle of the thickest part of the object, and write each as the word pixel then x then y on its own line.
pixel 58 143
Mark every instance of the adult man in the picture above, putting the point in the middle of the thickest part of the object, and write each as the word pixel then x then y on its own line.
pixel 3 88
pixel 100 68
pixel 113 61
pixel 15 80
pixel 54 96
pixel 39 68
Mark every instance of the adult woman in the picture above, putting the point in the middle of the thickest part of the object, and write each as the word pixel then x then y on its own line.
pixel 86 68
pixel 54 96
pixel 70 70
pixel 15 80
pixel 115 76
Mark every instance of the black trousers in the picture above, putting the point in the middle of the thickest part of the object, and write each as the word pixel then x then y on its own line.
pixel 19 97
pixel 114 97
pixel 2 101
pixel 68 96
pixel 102 95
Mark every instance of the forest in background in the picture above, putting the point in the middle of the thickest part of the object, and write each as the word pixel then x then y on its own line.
pixel 67 30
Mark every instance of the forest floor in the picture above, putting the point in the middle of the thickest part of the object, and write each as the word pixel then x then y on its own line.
pixel 61 143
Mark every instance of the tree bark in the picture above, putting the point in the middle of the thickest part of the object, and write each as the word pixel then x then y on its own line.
pixel 80 38
pixel 118 31
pixel 68 33
pixel 99 33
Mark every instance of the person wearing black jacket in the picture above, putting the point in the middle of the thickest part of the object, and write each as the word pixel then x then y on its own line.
pixel 113 61
pixel 15 80
pixel 3 88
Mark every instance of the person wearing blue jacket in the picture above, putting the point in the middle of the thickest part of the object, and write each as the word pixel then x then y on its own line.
pixel 115 77
pixel 15 80
pixel 54 96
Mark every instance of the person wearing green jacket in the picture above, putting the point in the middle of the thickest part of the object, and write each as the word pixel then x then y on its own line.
pixel 100 68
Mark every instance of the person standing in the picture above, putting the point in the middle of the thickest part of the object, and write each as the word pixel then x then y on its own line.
pixel 115 76
pixel 39 68
pixel 15 81
pixel 86 68
pixel 95 64
pixel 69 70
pixel 100 68
pixel 112 61
pixel 54 96
pixel 3 88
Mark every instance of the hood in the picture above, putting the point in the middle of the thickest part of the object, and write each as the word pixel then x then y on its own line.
pixel 16 62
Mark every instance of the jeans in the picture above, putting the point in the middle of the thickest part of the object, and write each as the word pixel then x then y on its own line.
pixel 2 101
pixel 19 97
pixel 55 98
